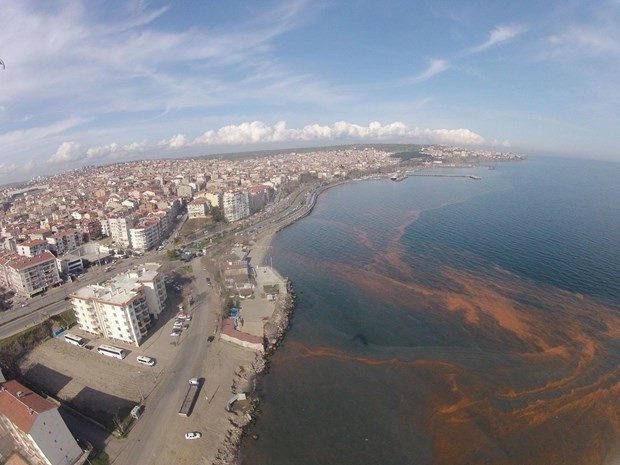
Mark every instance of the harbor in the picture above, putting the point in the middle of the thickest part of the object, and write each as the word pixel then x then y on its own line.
pixel 401 177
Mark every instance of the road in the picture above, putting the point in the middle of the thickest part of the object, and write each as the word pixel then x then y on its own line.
pixel 53 302
pixel 152 433
pixel 160 430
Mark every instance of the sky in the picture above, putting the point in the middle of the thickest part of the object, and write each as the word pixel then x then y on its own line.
pixel 95 82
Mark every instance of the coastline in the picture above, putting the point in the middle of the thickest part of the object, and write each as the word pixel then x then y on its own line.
pixel 275 329
pixel 246 376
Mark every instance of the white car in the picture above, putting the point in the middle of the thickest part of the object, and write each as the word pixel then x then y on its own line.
pixel 193 435
pixel 144 360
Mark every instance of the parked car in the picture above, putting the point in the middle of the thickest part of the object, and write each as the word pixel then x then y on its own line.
pixel 175 333
pixel 193 435
pixel 144 360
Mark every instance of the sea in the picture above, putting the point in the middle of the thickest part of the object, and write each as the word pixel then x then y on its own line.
pixel 448 320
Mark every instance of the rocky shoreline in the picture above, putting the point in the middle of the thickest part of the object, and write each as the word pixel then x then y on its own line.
pixel 246 377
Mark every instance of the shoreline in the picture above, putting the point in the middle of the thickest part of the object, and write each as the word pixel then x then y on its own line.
pixel 228 453
pixel 229 449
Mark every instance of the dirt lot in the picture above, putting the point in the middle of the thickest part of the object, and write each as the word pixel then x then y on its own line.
pixel 94 384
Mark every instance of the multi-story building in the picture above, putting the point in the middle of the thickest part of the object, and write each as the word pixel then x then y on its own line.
pixel 197 209
pixel 214 198
pixel 92 228
pixel 236 205
pixel 64 242
pixel 185 191
pixel 39 431
pixel 118 229
pixel 32 248
pixel 28 275
pixel 122 308
pixel 258 197
pixel 146 235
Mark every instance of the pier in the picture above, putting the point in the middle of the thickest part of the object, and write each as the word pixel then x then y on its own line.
pixel 470 176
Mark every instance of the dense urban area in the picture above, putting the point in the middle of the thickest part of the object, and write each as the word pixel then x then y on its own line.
pixel 143 290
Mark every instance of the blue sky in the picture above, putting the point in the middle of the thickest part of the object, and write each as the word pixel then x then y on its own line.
pixel 86 83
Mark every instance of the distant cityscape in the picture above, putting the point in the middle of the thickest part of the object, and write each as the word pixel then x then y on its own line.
pixel 54 226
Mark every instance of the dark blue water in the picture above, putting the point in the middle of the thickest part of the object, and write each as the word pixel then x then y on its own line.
pixel 448 320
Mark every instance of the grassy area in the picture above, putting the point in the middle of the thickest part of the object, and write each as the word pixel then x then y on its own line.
pixel 100 459
pixel 194 225
pixel 14 347
pixel 65 319
pixel 188 268
pixel 271 288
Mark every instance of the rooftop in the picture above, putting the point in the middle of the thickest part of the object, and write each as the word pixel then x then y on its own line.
pixel 20 405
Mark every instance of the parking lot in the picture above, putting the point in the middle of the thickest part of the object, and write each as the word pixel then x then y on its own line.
pixel 96 384
pixel 92 383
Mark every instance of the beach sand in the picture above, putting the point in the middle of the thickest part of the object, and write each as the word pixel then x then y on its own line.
pixel 259 254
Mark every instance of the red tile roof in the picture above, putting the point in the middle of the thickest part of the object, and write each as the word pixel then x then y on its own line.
pixel 19 262
pixel 228 328
pixel 22 411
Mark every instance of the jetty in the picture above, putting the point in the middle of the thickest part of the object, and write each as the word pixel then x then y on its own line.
pixel 470 176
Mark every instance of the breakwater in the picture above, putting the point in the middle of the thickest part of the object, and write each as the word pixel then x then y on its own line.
pixel 246 377
pixel 470 176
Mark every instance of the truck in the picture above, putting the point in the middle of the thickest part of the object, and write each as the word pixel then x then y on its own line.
pixel 190 397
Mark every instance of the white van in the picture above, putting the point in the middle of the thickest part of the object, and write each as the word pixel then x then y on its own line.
pixel 144 360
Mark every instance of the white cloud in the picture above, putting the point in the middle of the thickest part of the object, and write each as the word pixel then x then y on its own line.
pixel 67 151
pixel 6 170
pixel 505 144
pixel 27 168
pixel 435 67
pixel 258 133
pixel 584 41
pixel 498 35
pixel 19 137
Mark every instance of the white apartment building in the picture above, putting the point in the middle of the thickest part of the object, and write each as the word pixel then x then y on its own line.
pixel 197 209
pixel 27 276
pixel 37 428
pixel 146 235
pixel 118 230
pixel 122 308
pixel 32 248
pixel 236 205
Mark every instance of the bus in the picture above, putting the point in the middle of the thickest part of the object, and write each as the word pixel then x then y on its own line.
pixel 111 351
pixel 75 340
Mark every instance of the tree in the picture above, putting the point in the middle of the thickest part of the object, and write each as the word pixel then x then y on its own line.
pixel 217 214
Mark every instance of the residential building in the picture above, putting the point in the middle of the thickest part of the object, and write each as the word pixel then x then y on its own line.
pixel 28 275
pixel 118 229
pixel 236 205
pixel 185 191
pixel 198 209
pixel 146 234
pixel 36 426
pixel 32 248
pixel 122 309
pixel 214 199
pixel 64 242
pixel 92 228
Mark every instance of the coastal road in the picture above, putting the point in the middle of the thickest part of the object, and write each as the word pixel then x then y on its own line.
pixel 161 428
